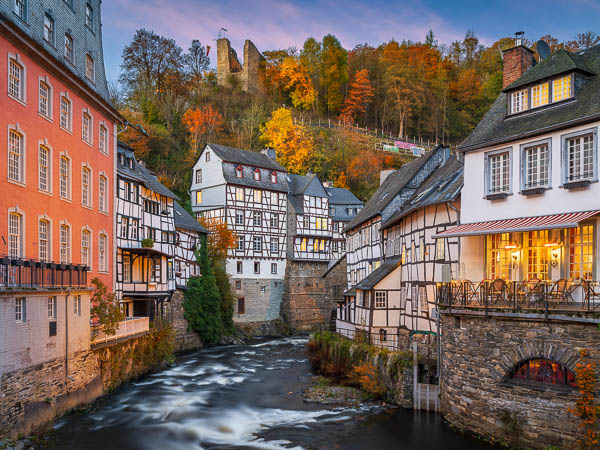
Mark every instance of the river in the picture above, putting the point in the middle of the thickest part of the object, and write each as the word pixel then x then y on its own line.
pixel 244 397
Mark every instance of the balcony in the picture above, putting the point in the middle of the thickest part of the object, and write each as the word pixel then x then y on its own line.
pixel 17 273
pixel 561 296
pixel 131 326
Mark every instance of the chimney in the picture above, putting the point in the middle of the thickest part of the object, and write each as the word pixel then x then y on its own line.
pixel 270 152
pixel 516 60
pixel 383 175
pixel 328 184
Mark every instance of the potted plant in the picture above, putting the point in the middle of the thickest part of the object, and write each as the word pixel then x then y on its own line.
pixel 147 243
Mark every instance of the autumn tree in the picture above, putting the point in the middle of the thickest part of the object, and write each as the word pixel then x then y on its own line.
pixel 358 97
pixel 297 80
pixel 105 310
pixel 220 240
pixel 292 143
pixel 334 72
pixel 202 123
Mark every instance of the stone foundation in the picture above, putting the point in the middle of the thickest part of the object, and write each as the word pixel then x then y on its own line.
pixel 271 328
pixel 477 393
pixel 185 339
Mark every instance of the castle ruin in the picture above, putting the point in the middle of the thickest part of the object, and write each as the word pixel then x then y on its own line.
pixel 230 71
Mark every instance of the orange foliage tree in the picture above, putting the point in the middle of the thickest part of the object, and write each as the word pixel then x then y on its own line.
pixel 297 78
pixel 358 97
pixel 585 408
pixel 220 238
pixel 293 144
pixel 202 123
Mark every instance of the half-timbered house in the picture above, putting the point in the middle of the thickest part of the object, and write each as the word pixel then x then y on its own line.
pixel 343 207
pixel 145 238
pixel 188 240
pixel 248 190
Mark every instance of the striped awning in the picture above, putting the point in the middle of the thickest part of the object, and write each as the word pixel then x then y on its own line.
pixel 554 221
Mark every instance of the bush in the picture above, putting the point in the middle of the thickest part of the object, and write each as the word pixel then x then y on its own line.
pixel 366 376
pixel 105 310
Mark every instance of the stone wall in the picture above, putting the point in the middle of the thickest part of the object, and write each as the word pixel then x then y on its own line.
pixel 304 307
pixel 270 328
pixel 335 285
pixel 262 299
pixel 185 339
pixel 229 70
pixel 478 354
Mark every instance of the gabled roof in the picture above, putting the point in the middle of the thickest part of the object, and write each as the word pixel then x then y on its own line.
pixel 245 157
pixel 378 274
pixel 443 185
pixel 184 220
pixel 306 185
pixel 341 196
pixel 497 127
pixel 390 187
pixel 139 173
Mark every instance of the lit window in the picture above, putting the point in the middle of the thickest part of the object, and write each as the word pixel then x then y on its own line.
pixel 102 263
pixel 422 249
pixel 581 252
pixel 20 9
pixel 315 245
pixel 65 113
pixel 198 197
pixel 519 101
pixel 85 187
pixel 539 95
pixel 561 88
pixel 85 247
pixel 257 195
pixel 380 299
pixel 15 156
pixel 542 371
pixel 15 80
pixel 68 48
pixel 537 164
pixel 65 182
pixel 89 16
pixel 43 238
pixel 498 258
pixel 65 244
pixel 499 173
pixel 103 139
pixel 89 67
pixel 322 245
pixel 303 245
pixel 86 128
pixel 580 157
pixel 15 227
pixel 102 193
pixel 239 194
pixel 44 104
pixel 20 310
pixel 48 29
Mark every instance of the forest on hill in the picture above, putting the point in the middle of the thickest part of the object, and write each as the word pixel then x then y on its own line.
pixel 409 89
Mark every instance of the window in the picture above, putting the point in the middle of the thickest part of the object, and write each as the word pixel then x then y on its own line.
pixel 198 197
pixel 518 101
pixel 43 240
pixel 86 128
pixel 238 284
pixel 150 206
pixel 257 243
pixel 102 193
pixel 303 245
pixel 380 299
pixel 336 226
pixel 15 229
pixel 89 16
pixel 273 268
pixel 77 305
pixel 581 252
pixel 89 68
pixel 256 219
pixel 65 181
pixel 334 246
pixel 20 310
pixel 440 248
pixel 65 113
pixel 542 371
pixel 15 157
pixel 207 156
pixel 256 174
pixel 241 306
pixel 273 177
pixel 498 173
pixel 580 154
pixel 263 289
pixel 239 218
pixel 103 139
pixel 343 246
pixel 315 245
pixel 274 247
pixel 48 29
pixel 498 257
pixel 306 221
pixel 318 223
pixel 124 225
pixel 126 269
pixel 156 271
pixel 86 197
pixel 239 194
pixel 85 248
pixel 561 88
pixel 240 267
pixel 240 243
pixel 20 9
pixel 257 195
pixel 256 267
pixel 536 166
pixel 65 244
pixel 45 103
pixel 16 80
pixel 422 251
pixel 52 307
pixel 68 48
pixel 322 245
pixel 539 95
pixel 274 221
pixel 198 175
pixel 133 230
pixel 102 263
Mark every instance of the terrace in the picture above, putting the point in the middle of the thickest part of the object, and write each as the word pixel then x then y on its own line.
pixel 18 273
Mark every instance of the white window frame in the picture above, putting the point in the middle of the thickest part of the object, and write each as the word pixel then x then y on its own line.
pixel 103 252
pixel 69 52
pixel 87 136
pixel 16 232
pixel 52 307
pixel 239 245
pixel 66 119
pixel 488 169
pixel 562 88
pixel 64 181
pixel 537 92
pixel 87 253
pixel 257 195
pixel 49 29
pixel 525 151
pixel 273 268
pixel 102 193
pixel 103 139
pixel 519 101
pixel 20 9
pixel 380 299
pixel 77 305
pixel 257 243
pixel 43 82
pixel 44 240
pixel 274 245
pixel 257 219
pixel 20 310
pixel 440 248
pixel 89 16
pixel 87 189
pixel 22 156
pixel 239 194
pixel 198 176
pixel 21 94
pixel 239 217
pixel 565 138
pixel 126 269
pixel 65 242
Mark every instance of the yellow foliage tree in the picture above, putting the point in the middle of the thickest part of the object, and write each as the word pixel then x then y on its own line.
pixel 296 77
pixel 220 237
pixel 292 143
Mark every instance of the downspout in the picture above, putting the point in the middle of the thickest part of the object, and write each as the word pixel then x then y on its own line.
pixel 67 336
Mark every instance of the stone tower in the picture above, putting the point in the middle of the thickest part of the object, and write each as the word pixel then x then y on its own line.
pixel 229 68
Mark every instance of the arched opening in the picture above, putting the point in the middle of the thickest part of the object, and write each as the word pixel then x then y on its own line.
pixel 542 371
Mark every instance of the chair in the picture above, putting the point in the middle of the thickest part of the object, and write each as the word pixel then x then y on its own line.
pixel 535 291
pixel 559 293
pixel 496 292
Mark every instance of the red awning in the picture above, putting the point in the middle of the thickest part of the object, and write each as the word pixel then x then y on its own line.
pixel 569 220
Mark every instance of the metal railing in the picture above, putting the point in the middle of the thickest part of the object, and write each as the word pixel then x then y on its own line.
pixel 24 273
pixel 128 327
pixel 532 295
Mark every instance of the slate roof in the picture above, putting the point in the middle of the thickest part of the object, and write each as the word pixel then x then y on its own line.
pixel 303 185
pixel 140 173
pixel 390 187
pixel 184 220
pixel 497 128
pixel 244 157
pixel 443 185
pixel 230 174
pixel 378 274
pixel 340 199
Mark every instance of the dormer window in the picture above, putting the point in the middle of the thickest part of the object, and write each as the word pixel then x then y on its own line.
pixel 256 175
pixel 539 95
pixel 239 172
pixel 519 101
pixel 273 177
pixel 561 88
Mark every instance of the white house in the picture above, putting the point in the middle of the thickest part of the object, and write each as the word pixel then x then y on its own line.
pixel 188 240
pixel 343 206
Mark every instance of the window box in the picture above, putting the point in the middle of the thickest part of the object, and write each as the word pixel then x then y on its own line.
pixel 497 196
pixel 577 184
pixel 533 191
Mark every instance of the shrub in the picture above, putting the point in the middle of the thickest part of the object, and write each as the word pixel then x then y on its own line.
pixel 105 311
pixel 366 377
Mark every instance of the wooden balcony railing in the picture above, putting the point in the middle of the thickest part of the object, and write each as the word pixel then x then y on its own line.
pixel 128 327
pixel 26 273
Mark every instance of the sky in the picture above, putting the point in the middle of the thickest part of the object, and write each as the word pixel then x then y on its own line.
pixel 274 24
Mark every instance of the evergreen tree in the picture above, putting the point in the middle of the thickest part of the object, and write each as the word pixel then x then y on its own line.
pixel 224 285
pixel 202 301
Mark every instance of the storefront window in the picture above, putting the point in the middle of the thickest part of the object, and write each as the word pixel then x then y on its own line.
pixel 498 257
pixel 537 255
pixel 581 252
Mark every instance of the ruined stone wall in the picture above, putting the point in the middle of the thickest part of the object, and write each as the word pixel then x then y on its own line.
pixel 185 339
pixel 230 72
pixel 478 354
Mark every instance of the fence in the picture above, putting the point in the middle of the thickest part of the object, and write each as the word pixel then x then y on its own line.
pixel 128 327
pixel 21 273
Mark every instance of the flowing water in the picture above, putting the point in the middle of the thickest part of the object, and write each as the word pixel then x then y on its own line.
pixel 244 397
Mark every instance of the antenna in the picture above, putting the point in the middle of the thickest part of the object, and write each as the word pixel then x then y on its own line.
pixel 519 37
pixel 543 49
